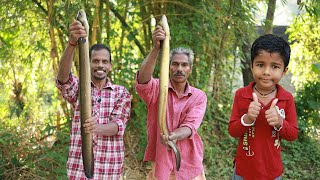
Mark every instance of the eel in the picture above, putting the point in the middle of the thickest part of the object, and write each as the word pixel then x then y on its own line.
pixel 85 97
pixel 163 89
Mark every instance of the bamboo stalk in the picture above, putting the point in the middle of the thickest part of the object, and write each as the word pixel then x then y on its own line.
pixel 85 97
pixel 163 94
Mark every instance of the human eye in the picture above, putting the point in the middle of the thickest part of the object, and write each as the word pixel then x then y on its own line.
pixel 185 64
pixel 276 67
pixel 105 61
pixel 94 61
pixel 259 64
pixel 174 64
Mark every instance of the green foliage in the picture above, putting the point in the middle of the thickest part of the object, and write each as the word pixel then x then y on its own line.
pixel 32 111
pixel 220 149
pixel 304 35
pixel 312 7
pixel 316 68
pixel 23 157
pixel 136 132
pixel 308 107
pixel 301 158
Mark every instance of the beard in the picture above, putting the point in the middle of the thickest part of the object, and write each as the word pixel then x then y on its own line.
pixel 98 76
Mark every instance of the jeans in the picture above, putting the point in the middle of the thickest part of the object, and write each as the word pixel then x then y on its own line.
pixel 236 177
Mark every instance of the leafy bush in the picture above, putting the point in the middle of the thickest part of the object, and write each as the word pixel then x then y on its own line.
pixel 22 157
pixel 308 107
pixel 301 158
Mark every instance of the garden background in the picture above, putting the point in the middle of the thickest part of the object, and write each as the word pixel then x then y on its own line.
pixel 35 120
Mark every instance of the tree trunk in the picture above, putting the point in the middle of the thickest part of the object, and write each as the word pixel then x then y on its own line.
pixel 268 26
pixel 246 47
pixel 146 26
pixel 246 62
pixel 53 51
pixel 96 24
pixel 54 54
pixel 108 21
pixel 123 34
pixel 128 28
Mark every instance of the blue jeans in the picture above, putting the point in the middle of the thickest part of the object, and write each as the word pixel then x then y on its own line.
pixel 236 177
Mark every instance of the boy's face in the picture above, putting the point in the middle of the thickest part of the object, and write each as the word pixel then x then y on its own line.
pixel 268 69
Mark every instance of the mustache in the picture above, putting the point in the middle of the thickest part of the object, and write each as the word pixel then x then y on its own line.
pixel 100 69
pixel 179 73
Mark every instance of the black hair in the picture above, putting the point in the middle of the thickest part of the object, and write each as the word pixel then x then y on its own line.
pixel 271 43
pixel 97 47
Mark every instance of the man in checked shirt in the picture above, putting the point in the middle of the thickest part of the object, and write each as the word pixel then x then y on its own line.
pixel 110 111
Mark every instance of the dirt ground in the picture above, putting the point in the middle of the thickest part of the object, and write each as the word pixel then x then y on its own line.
pixel 135 169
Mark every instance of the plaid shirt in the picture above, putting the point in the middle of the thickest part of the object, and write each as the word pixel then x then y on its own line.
pixel 111 104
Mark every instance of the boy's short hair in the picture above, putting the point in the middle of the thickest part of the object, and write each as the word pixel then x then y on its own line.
pixel 182 50
pixel 98 47
pixel 272 44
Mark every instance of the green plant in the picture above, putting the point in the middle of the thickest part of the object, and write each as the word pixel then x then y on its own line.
pixel 308 107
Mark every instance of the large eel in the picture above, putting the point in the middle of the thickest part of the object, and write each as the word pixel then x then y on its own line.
pixel 85 96
pixel 164 81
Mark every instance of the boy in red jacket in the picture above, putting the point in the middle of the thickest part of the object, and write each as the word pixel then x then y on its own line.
pixel 263 113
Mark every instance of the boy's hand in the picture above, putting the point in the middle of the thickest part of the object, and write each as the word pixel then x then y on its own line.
pixel 272 115
pixel 254 109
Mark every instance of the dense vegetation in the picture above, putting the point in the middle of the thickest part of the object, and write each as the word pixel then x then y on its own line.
pixel 35 120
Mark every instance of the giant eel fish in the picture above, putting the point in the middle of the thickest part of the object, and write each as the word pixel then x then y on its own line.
pixel 85 97
pixel 163 91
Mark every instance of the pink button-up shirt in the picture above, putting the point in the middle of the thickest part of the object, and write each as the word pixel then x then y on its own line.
pixel 186 110
pixel 111 104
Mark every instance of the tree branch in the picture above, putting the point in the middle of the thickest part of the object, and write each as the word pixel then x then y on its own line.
pixel 126 26
pixel 62 27
pixel 40 6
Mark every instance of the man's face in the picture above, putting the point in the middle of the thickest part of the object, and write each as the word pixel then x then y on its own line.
pixel 100 64
pixel 180 68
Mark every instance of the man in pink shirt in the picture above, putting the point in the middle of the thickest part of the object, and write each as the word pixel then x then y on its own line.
pixel 186 108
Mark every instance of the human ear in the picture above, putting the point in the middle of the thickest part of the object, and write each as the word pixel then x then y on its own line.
pixel 251 67
pixel 285 71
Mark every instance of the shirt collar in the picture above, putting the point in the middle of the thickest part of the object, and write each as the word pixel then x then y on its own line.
pixel 107 85
pixel 187 92
pixel 282 94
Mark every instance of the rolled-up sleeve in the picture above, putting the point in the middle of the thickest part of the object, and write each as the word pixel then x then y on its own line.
pixel 148 92
pixel 196 113
pixel 69 90
pixel 121 113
